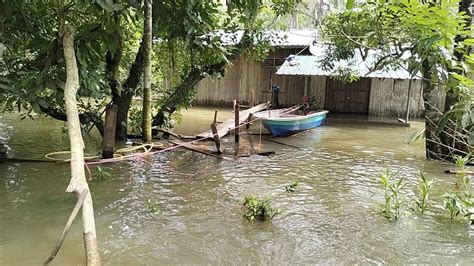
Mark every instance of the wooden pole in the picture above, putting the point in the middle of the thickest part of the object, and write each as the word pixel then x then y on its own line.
pixel 108 143
pixel 247 125
pixel 3 153
pixel 305 86
pixel 408 102
pixel 217 140
pixel 147 38
pixel 236 130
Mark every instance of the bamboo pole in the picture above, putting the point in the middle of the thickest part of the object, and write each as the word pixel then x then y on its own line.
pixel 215 133
pixel 237 122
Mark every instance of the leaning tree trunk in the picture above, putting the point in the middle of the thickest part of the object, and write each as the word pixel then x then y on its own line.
pixel 78 179
pixel 123 99
pixel 183 91
pixel 146 115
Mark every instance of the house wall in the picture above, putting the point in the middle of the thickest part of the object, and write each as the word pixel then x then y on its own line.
pixel 388 97
pixel 248 80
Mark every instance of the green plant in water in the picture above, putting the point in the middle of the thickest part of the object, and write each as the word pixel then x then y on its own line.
pixel 102 174
pixel 152 207
pixel 452 203
pixel 292 186
pixel 394 199
pixel 461 163
pixel 261 209
pixel 424 191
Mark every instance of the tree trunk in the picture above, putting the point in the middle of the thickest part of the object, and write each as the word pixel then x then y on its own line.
pixel 124 99
pixel 452 96
pixel 183 91
pixel 433 148
pixel 146 115
pixel 78 179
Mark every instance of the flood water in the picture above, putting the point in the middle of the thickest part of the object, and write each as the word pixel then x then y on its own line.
pixel 181 207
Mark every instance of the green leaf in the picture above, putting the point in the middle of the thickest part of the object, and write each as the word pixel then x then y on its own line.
pixel 350 4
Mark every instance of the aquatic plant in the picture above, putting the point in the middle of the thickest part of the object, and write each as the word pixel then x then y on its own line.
pixel 261 209
pixel 152 207
pixel 461 163
pixel 102 174
pixel 424 191
pixel 291 187
pixel 394 199
pixel 452 203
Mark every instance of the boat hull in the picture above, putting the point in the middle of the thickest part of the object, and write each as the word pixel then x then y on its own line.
pixel 284 126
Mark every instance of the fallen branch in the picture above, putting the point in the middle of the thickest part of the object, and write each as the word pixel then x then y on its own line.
pixel 73 215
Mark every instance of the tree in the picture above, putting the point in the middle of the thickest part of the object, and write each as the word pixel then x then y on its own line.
pixel 110 64
pixel 78 182
pixel 146 121
pixel 420 36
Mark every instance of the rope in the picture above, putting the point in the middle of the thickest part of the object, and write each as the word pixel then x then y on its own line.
pixel 119 154
pixel 135 155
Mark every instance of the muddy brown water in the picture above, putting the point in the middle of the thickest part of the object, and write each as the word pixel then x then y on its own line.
pixel 334 216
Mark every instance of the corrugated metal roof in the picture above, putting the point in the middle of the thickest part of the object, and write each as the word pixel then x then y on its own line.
pixel 310 66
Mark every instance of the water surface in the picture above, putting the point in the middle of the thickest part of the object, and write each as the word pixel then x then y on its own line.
pixel 333 217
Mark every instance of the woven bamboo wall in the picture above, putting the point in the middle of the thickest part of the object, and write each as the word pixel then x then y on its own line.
pixel 248 80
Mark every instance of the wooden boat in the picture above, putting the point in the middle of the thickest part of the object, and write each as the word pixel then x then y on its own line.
pixel 287 121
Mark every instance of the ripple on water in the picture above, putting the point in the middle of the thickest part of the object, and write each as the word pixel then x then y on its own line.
pixel 186 208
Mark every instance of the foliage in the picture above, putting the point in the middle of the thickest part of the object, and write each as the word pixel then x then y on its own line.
pixel 456 204
pixel 461 163
pixel 461 202
pixel 424 191
pixel 292 186
pixel 430 39
pixel 261 209
pixel 32 72
pixel 102 174
pixel 394 199
pixel 152 207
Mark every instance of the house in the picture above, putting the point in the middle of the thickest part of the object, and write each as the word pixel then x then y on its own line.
pixel 379 93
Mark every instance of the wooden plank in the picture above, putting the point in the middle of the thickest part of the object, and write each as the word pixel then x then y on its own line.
pixel 224 128
pixel 195 148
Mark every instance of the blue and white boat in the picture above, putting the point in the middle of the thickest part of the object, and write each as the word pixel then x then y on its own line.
pixel 284 122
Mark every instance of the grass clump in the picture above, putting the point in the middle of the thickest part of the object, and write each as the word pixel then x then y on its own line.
pixel 424 191
pixel 394 199
pixel 261 208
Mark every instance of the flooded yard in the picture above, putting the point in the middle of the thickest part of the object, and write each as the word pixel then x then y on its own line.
pixel 181 207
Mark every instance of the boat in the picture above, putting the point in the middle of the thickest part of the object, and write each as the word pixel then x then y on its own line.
pixel 287 121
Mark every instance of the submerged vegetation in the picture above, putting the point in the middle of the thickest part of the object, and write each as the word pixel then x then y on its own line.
pixel 261 209
pixel 458 202
pixel 424 191
pixel 394 198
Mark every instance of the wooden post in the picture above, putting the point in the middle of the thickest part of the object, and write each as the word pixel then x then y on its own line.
pixel 3 153
pixel 108 144
pixel 236 117
pixel 247 125
pixel 305 86
pixel 408 102
pixel 217 140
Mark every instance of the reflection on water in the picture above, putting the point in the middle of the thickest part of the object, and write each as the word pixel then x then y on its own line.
pixel 332 218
